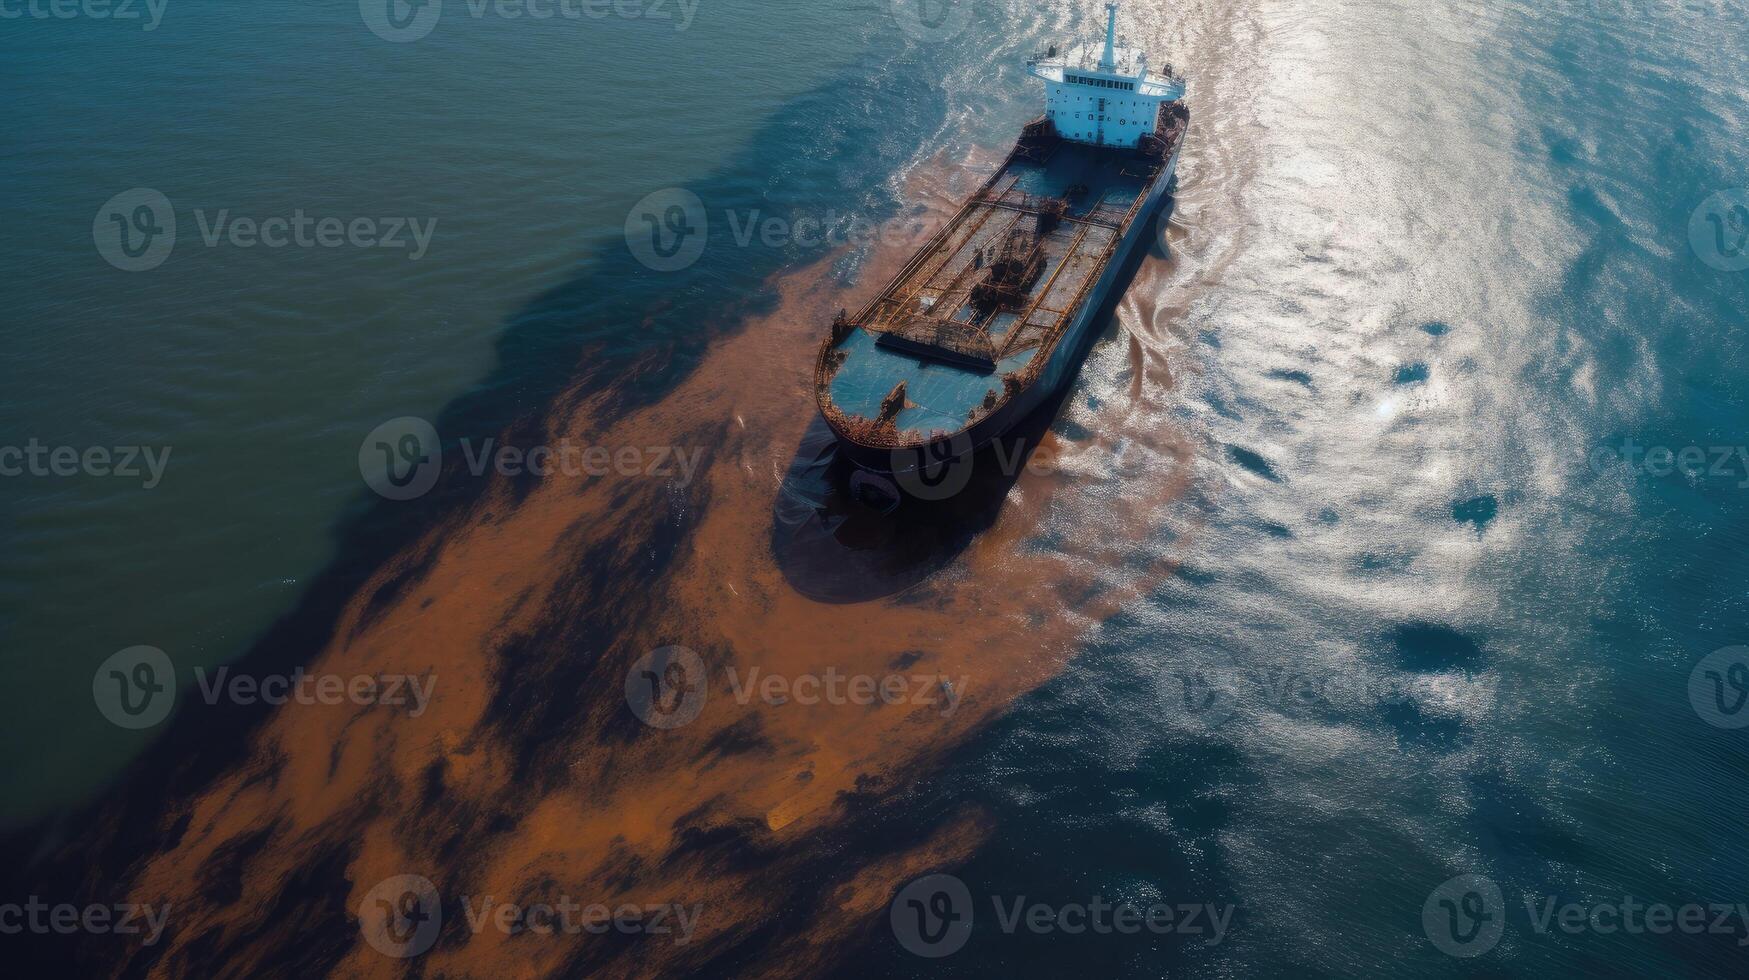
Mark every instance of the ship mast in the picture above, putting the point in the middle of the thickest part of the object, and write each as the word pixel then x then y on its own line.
pixel 1115 104
pixel 1109 61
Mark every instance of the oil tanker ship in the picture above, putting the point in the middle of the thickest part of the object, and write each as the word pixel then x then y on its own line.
pixel 989 319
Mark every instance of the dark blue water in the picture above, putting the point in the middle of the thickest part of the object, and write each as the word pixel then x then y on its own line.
pixel 521 143
pixel 1434 271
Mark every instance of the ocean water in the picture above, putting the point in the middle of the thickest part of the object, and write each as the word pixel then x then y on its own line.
pixel 259 371
pixel 1343 576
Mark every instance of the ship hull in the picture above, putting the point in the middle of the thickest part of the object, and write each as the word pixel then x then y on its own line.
pixel 1061 367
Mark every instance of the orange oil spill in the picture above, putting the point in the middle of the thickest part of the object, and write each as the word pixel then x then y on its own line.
pixel 615 819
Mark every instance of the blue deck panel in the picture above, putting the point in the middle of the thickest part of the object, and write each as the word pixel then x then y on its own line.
pixel 942 393
pixel 1100 170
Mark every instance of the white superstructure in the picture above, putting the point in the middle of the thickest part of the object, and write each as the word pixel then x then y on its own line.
pixel 1105 96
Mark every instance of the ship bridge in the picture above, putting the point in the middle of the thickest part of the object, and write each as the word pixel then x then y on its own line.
pixel 1106 95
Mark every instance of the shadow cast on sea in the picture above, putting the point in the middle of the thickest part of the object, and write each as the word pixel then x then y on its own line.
pixel 841 535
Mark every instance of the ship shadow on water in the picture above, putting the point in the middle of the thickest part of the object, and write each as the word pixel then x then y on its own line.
pixel 837 542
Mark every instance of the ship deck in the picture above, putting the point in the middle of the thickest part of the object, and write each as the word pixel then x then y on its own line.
pixel 941 346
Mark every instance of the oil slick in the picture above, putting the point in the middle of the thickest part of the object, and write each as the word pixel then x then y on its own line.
pixel 526 777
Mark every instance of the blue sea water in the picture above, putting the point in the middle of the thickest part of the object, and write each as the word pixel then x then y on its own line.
pixel 1435 280
pixel 520 144
pixel 1429 278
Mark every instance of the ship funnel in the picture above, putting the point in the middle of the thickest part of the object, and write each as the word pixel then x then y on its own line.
pixel 1109 62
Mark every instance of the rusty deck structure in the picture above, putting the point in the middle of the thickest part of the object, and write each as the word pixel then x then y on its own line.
pixel 981 324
